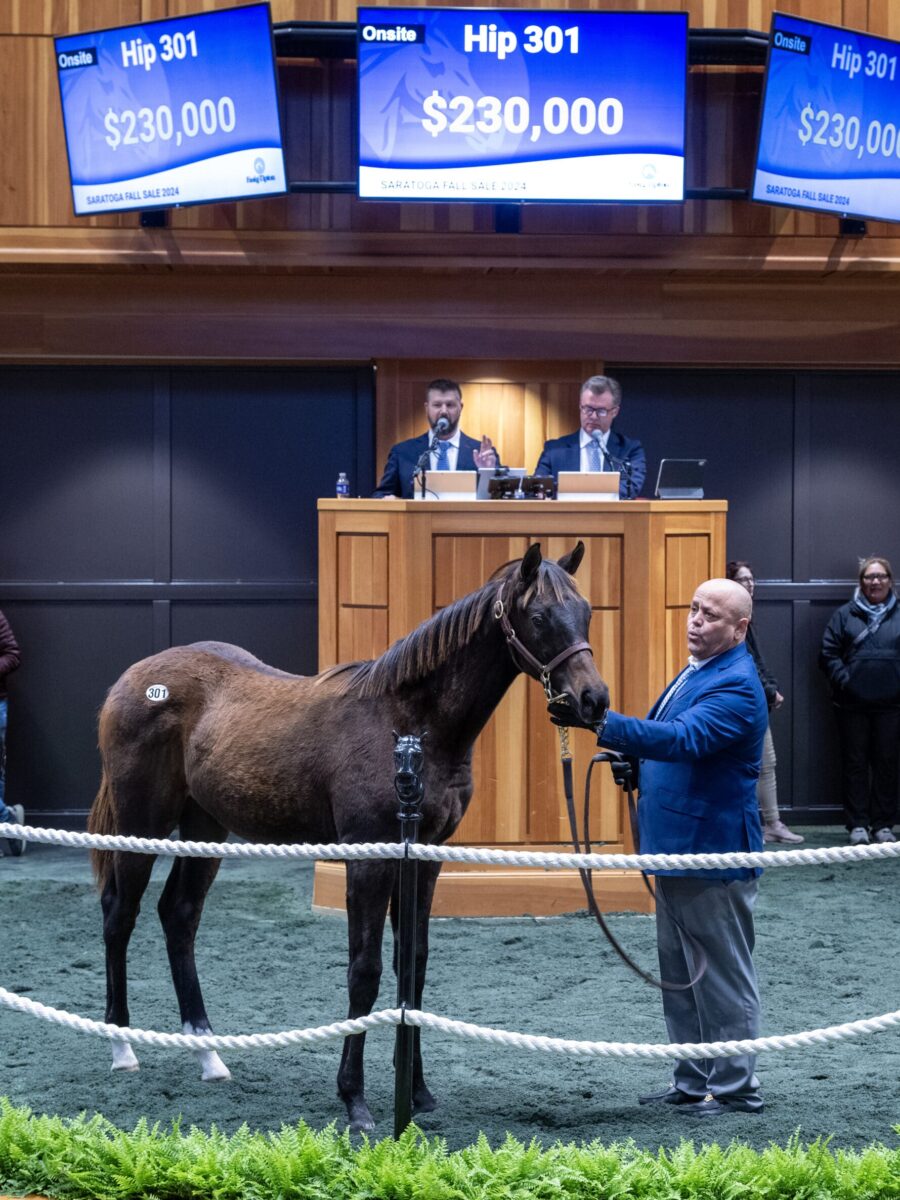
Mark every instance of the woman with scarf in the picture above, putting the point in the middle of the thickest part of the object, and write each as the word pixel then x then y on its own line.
pixel 861 657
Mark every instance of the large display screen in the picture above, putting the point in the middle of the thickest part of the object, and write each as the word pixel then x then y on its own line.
pixel 505 105
pixel 828 135
pixel 172 112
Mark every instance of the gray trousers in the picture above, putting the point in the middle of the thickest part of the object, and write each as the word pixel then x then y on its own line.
pixel 724 1005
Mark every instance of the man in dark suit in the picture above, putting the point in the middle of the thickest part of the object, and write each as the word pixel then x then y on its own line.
pixel 596 446
pixel 453 450
pixel 699 750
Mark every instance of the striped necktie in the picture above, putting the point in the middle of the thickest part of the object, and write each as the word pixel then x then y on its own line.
pixel 674 690
pixel 441 451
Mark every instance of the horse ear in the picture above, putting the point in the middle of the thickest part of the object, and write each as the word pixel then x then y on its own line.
pixel 572 561
pixel 530 563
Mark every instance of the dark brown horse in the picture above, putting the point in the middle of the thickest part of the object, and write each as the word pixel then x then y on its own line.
pixel 208 739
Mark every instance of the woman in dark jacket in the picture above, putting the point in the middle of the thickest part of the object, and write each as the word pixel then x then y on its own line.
pixel 861 657
pixel 774 829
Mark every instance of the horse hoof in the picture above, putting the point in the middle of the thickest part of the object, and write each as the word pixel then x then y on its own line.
pixel 213 1069
pixel 424 1102
pixel 124 1058
pixel 361 1120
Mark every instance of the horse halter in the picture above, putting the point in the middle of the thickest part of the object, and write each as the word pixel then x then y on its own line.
pixel 523 657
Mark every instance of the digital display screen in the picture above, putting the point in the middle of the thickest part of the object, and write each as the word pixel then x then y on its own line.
pixel 505 105
pixel 828 135
pixel 174 112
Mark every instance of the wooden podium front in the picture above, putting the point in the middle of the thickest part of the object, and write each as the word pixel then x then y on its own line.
pixel 387 565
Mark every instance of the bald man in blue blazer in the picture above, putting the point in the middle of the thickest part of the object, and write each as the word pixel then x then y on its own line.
pixel 699 751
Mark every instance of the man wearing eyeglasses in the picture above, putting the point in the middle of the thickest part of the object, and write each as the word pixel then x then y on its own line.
pixel 596 446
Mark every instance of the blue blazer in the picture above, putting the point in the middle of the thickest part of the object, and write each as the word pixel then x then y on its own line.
pixel 564 454
pixel 700 763
pixel 397 477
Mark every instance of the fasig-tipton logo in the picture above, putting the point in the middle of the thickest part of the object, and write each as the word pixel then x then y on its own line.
pixel 260 176
pixel 392 34
pixel 85 57
pixel 797 43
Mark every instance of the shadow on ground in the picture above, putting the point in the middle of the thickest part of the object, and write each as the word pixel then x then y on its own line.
pixel 267 962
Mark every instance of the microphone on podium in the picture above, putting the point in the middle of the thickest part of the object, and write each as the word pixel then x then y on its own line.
pixel 441 425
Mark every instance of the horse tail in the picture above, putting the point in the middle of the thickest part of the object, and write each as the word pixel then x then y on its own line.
pixel 102 819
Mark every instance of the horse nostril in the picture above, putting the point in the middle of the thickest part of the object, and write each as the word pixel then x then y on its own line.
pixel 594 702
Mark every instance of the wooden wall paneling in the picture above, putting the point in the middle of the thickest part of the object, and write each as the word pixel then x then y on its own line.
pixel 328 591
pixel 600 580
pixel 59 17
pixel 460 566
pixel 363 570
pixel 35 175
pixel 687 562
pixel 517 404
pixel 363 588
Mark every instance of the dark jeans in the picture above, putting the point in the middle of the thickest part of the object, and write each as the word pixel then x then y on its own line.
pixel 870 755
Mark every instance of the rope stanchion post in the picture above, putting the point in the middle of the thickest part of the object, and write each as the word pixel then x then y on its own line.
pixel 409 758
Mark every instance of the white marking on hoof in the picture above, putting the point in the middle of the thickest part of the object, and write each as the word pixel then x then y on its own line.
pixel 124 1058
pixel 211 1066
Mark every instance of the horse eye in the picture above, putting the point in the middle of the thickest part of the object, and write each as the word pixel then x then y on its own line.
pixel 537 620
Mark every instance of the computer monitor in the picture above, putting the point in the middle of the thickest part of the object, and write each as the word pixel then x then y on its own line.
pixel 680 479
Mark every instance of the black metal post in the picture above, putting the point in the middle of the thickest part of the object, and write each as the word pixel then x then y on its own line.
pixel 408 759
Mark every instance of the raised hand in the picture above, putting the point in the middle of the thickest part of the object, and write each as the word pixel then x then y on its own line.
pixel 485 455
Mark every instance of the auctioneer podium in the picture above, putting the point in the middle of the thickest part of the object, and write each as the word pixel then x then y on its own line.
pixel 386 565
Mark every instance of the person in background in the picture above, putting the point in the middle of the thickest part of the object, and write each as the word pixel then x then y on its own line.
pixel 699 749
pixel 9 660
pixel 454 450
pixel 774 829
pixel 861 656
pixel 596 446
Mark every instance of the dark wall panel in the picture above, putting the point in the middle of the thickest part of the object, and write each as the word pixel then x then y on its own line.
pixel 76 484
pixel 72 653
pixel 148 507
pixel 741 422
pixel 283 634
pixel 854 471
pixel 249 450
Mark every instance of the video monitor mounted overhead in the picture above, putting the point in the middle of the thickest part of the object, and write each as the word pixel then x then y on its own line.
pixel 183 111
pixel 505 105
pixel 828 134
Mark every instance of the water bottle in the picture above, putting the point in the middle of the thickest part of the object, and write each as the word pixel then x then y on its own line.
pixel 342 487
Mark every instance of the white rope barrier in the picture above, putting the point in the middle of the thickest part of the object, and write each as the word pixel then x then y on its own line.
pixel 199 1041
pixel 394 1016
pixel 655 1050
pixel 357 851
pixel 463 1029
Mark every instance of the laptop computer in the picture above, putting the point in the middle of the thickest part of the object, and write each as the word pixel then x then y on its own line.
pixel 447 485
pixel 486 474
pixel 587 485
pixel 680 479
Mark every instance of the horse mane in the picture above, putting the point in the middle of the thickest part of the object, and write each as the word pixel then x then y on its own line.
pixel 436 640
